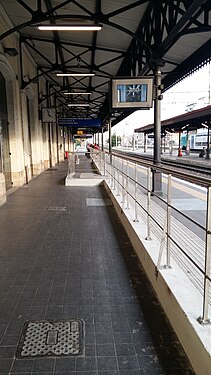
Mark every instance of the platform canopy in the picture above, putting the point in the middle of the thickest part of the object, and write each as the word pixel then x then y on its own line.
pixel 134 37
pixel 192 120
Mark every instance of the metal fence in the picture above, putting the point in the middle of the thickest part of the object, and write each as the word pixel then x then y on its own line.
pixel 71 163
pixel 74 159
pixel 183 235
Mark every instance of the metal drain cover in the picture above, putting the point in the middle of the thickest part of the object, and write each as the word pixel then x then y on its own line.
pixel 56 209
pixel 51 338
pixel 98 202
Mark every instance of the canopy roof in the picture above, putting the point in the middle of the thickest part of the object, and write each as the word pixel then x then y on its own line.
pixel 135 36
pixel 189 120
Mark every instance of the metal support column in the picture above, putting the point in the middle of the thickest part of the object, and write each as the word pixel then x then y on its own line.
pixel 102 146
pixel 63 138
pixel 157 176
pixel 145 142
pixel 57 133
pixel 134 141
pixel 109 139
pixel 49 127
pixel 179 148
pixel 98 137
pixel 208 144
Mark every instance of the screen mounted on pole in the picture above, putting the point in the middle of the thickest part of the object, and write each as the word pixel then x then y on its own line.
pixel 132 92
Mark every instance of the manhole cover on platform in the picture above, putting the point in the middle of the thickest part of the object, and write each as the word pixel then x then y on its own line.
pixel 56 209
pixel 98 202
pixel 51 338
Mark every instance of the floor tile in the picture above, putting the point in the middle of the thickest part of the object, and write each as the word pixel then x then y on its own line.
pixel 78 264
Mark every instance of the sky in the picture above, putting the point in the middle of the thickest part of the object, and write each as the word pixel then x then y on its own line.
pixel 191 93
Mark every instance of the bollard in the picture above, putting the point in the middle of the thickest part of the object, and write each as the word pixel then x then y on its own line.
pixel 179 152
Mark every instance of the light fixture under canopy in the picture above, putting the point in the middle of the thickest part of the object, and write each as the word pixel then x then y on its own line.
pixel 73 27
pixel 75 74
pixel 77 93
pixel 78 105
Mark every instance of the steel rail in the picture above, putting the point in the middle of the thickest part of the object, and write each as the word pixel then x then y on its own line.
pixel 174 170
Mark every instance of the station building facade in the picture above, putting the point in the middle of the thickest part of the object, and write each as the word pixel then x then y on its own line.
pixel 27 145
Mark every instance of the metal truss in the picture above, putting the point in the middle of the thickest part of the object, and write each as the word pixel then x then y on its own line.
pixel 163 24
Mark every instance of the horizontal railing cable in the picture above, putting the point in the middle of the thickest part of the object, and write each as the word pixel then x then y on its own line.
pixel 131 179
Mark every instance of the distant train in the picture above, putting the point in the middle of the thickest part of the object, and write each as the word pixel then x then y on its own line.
pixel 195 141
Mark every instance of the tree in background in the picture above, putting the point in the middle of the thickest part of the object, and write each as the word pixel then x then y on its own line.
pixel 115 140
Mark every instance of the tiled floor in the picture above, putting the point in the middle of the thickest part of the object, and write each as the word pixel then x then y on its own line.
pixel 61 258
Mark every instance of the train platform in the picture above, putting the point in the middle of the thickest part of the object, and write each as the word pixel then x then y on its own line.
pixel 192 157
pixel 68 269
pixel 184 158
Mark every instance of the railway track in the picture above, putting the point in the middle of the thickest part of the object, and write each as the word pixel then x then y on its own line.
pixel 196 167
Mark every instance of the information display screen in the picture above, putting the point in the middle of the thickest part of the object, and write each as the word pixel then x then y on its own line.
pixel 132 92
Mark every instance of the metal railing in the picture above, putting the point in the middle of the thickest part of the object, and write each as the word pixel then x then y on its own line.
pixel 71 163
pixel 74 159
pixel 182 236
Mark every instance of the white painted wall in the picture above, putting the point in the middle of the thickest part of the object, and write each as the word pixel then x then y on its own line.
pixel 25 157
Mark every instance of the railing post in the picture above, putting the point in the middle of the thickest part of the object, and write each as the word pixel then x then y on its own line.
pixel 122 178
pixel 110 172
pixel 148 237
pixel 114 172
pixel 91 154
pixel 118 182
pixel 127 185
pixel 162 243
pixel 168 251
pixel 135 206
pixel 166 230
pixel 98 157
pixel 104 163
pixel 112 176
pixel 123 187
pixel 71 163
pixel 207 276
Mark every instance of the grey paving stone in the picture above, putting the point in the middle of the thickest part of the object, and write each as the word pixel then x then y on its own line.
pixel 43 365
pixel 107 363
pixel 65 364
pixel 106 350
pixel 22 365
pixel 78 264
pixel 86 364
pixel 7 351
pixel 128 363
pixel 125 349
